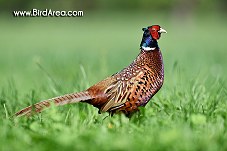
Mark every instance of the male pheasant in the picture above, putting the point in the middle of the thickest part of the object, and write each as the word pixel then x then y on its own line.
pixel 124 91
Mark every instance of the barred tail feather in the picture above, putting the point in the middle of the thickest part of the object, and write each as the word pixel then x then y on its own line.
pixel 61 100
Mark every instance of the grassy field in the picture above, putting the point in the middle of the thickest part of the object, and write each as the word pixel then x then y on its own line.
pixel 45 57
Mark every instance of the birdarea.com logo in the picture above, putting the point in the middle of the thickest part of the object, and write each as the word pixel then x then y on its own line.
pixel 48 13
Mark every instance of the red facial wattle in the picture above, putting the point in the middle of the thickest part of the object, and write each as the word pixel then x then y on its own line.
pixel 154 30
pixel 156 35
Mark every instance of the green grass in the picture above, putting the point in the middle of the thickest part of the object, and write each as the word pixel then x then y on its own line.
pixel 189 112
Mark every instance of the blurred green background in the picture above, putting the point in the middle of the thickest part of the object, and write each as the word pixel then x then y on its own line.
pixel 43 57
pixel 139 5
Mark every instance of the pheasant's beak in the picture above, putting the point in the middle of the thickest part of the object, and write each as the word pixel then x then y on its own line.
pixel 162 30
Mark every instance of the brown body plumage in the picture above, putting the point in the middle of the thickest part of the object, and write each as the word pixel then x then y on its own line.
pixel 122 92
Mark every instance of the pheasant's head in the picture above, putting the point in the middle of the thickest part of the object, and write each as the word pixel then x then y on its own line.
pixel 155 31
pixel 150 36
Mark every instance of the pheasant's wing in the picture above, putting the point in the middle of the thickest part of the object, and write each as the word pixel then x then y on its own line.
pixel 119 92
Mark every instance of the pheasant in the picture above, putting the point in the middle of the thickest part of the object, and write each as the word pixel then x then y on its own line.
pixel 125 91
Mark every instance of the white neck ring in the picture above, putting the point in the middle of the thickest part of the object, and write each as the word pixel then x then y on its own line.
pixel 148 48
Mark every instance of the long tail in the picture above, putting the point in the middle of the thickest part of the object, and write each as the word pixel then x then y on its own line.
pixel 61 100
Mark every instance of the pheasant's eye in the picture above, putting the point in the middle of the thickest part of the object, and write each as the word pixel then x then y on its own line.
pixel 153 30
